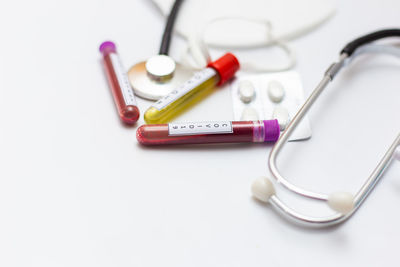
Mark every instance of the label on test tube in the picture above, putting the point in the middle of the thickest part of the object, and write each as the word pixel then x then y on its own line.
pixel 197 79
pixel 194 128
pixel 123 81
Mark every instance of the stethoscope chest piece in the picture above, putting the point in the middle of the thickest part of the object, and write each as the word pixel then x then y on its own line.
pixel 160 68
pixel 160 74
pixel 156 77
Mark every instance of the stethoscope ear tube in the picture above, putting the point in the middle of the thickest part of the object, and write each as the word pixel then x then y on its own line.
pixel 166 39
pixel 352 46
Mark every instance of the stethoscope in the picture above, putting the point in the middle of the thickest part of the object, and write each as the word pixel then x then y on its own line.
pixel 345 204
pixel 156 77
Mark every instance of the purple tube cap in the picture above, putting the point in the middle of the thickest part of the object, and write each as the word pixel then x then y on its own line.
pixel 108 47
pixel 272 130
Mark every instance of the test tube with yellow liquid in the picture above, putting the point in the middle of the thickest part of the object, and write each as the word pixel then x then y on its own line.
pixel 192 91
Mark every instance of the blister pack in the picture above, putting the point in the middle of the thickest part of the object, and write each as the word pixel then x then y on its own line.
pixel 270 96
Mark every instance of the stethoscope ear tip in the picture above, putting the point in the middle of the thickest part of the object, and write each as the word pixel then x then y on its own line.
pixel 341 202
pixel 262 189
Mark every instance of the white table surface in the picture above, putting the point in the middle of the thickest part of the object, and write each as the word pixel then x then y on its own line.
pixel 77 190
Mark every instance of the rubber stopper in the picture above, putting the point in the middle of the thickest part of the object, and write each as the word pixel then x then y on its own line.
pixel 226 66
pixel 271 130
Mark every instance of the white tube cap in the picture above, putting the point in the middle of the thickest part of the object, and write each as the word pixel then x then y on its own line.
pixel 342 202
pixel 262 189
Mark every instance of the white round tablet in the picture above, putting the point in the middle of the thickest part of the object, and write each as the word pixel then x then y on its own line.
pixel 276 91
pixel 246 91
pixel 282 115
pixel 249 114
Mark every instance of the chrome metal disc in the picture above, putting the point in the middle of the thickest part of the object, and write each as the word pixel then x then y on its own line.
pixel 147 87
pixel 160 68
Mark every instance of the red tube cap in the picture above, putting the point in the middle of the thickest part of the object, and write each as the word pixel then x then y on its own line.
pixel 226 66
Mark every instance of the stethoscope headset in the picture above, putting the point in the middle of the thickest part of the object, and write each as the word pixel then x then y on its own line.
pixel 345 204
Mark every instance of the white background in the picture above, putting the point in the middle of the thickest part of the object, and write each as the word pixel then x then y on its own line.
pixel 77 190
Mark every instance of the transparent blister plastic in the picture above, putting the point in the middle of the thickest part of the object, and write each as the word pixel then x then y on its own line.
pixel 276 96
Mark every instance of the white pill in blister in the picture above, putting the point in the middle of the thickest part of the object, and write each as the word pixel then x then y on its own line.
pixel 276 92
pixel 282 115
pixel 249 114
pixel 246 91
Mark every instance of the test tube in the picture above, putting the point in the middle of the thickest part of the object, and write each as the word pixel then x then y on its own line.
pixel 195 89
pixel 122 92
pixel 208 132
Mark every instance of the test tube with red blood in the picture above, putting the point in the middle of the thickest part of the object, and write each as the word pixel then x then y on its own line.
pixel 122 92
pixel 208 132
